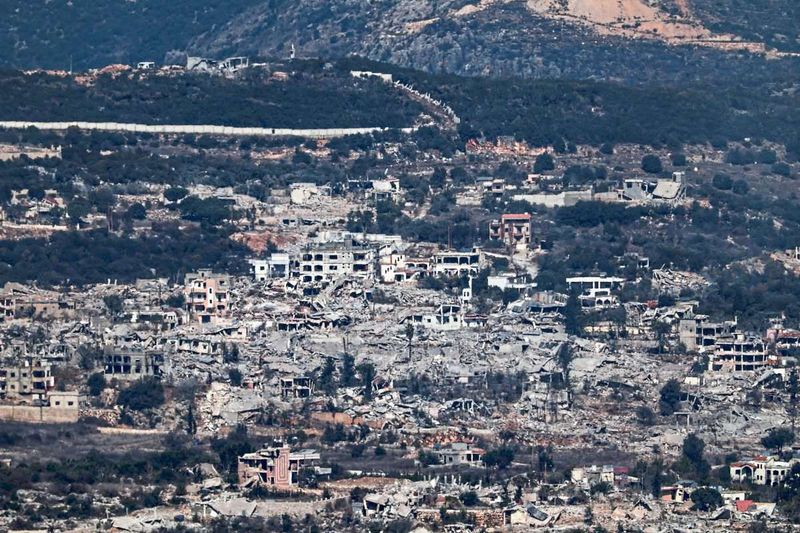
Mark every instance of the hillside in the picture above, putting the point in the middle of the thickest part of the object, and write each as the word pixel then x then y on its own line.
pixel 497 38
pixel 625 39
pixel 301 100
pixel 47 33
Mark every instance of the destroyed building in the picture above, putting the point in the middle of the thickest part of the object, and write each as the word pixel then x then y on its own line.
pixel 275 466
pixel 513 230
pixel 130 364
pixel 325 261
pixel 207 295
pixel 26 381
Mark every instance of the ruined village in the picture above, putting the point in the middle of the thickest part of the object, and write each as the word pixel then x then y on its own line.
pixel 378 329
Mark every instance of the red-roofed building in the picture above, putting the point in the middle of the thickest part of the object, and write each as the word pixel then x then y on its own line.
pixel 512 229
pixel 761 470
pixel 744 505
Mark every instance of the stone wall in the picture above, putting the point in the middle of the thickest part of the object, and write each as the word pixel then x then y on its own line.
pixel 42 415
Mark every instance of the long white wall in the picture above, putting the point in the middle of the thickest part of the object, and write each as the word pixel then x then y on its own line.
pixel 197 129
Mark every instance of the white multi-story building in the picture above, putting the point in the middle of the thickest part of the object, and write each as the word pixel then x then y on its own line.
pixel 460 453
pixel 761 470
pixel 326 261
pixel 451 263
pixel 277 265
pixel 596 291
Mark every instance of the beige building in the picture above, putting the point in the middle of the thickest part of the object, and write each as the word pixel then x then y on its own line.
pixel 18 300
pixel 460 453
pixel 67 399
pixel 126 364
pixel 275 466
pixel 513 230
pixel 739 353
pixel 326 261
pixel 26 381
pixel 207 295
pixel 761 470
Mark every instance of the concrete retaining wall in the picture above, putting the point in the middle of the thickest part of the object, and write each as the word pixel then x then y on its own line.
pixel 197 129
pixel 45 415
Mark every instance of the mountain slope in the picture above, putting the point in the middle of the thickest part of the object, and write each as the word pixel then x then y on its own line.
pixel 622 39
pixel 497 38
pixel 46 33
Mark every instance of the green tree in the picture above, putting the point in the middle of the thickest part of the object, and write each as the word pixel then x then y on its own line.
pixel 427 458
pixel 693 451
pixel 652 164
pixel 367 372
pixel 235 376
pixel 722 182
pixel 778 438
pixel 789 495
pixel 347 377
pixel 113 303
pixel 565 357
pixel 327 379
pixel 602 487
pixel 469 498
pixel 438 178
pixel 573 315
pixel 191 423
pixel 607 148
pixel 782 168
pixel 89 355
pixel 678 159
pixel 670 397
pixel 409 337
pixel 230 353
pixel 142 395
pixel 661 330
pixel 173 194
pixel 500 457
pixel 176 301
pixel 544 460
pixel 656 472
pixel 544 162
pixel 740 187
pixel 96 383
pixel 230 448
pixel 645 416
pixel 137 211
pixel 78 208
pixel 706 499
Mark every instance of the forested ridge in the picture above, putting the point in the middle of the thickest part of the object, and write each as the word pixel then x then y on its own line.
pixel 304 100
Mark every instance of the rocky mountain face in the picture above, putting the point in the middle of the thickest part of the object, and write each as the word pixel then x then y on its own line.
pixel 631 40
pixel 634 40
